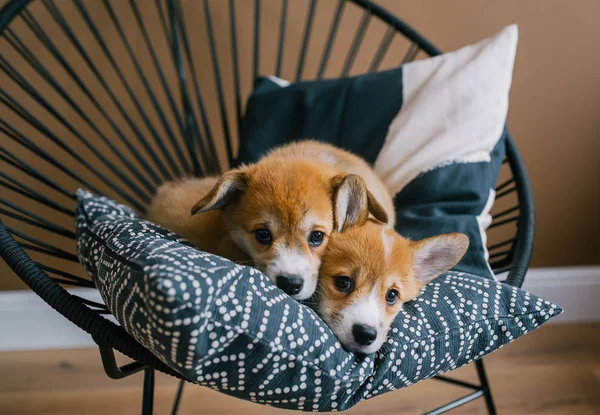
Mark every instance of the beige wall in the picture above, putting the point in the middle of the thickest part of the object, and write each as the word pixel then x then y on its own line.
pixel 553 112
pixel 554 107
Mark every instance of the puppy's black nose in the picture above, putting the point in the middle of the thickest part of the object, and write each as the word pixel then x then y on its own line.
pixel 290 284
pixel 363 334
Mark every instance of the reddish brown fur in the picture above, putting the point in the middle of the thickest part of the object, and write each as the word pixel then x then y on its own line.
pixel 208 232
pixel 288 194
pixel 359 254
pixel 284 191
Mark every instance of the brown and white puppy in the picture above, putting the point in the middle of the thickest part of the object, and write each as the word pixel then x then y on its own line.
pixel 278 212
pixel 208 232
pixel 369 271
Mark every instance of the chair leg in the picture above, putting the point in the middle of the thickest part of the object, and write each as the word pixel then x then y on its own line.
pixel 178 397
pixel 148 394
pixel 485 386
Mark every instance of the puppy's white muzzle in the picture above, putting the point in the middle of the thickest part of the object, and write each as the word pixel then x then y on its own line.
pixel 294 273
pixel 360 326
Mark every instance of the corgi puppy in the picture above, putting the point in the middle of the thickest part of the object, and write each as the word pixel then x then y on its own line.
pixel 208 232
pixel 369 271
pixel 279 213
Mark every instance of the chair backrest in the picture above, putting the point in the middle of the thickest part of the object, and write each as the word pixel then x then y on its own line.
pixel 119 96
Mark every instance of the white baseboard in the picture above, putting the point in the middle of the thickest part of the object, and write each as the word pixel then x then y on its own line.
pixel 27 323
pixel 575 289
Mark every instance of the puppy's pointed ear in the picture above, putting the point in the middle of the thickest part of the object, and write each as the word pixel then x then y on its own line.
pixel 229 186
pixel 436 255
pixel 376 209
pixel 352 202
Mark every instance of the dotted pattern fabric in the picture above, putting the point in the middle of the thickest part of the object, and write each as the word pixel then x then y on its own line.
pixel 227 327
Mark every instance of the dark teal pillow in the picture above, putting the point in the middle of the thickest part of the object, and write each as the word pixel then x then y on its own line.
pixel 432 129
pixel 227 327
pixel 351 113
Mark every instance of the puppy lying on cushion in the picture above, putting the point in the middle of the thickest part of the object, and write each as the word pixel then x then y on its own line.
pixel 368 271
pixel 278 213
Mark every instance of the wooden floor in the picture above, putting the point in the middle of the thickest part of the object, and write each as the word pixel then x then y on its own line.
pixel 554 370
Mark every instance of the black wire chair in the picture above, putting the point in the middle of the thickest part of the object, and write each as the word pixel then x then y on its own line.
pixel 117 98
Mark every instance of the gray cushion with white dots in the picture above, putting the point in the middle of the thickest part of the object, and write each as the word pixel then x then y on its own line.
pixel 228 327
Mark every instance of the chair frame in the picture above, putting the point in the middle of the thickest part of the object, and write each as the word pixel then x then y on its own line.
pixel 511 256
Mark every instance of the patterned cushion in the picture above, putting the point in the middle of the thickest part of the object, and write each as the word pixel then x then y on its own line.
pixel 228 327
pixel 432 129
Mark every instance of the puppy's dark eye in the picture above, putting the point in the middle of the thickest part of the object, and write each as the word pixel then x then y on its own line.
pixel 263 236
pixel 316 238
pixel 391 297
pixel 344 283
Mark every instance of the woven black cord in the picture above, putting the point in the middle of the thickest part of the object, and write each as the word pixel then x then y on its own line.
pixel 310 17
pixel 500 244
pixel 189 117
pixel 103 331
pixel 27 116
pixel 12 160
pixel 235 64
pixel 384 45
pixel 209 156
pixel 356 42
pixel 165 87
pixel 523 245
pixel 256 46
pixel 18 187
pixel 175 59
pixel 18 45
pixel 142 76
pixel 72 279
pixel 281 41
pixel 218 83
pixel 339 11
pixel 61 21
pixel 43 247
pixel 36 220
pixel 100 40
pixel 410 54
pixel 28 144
